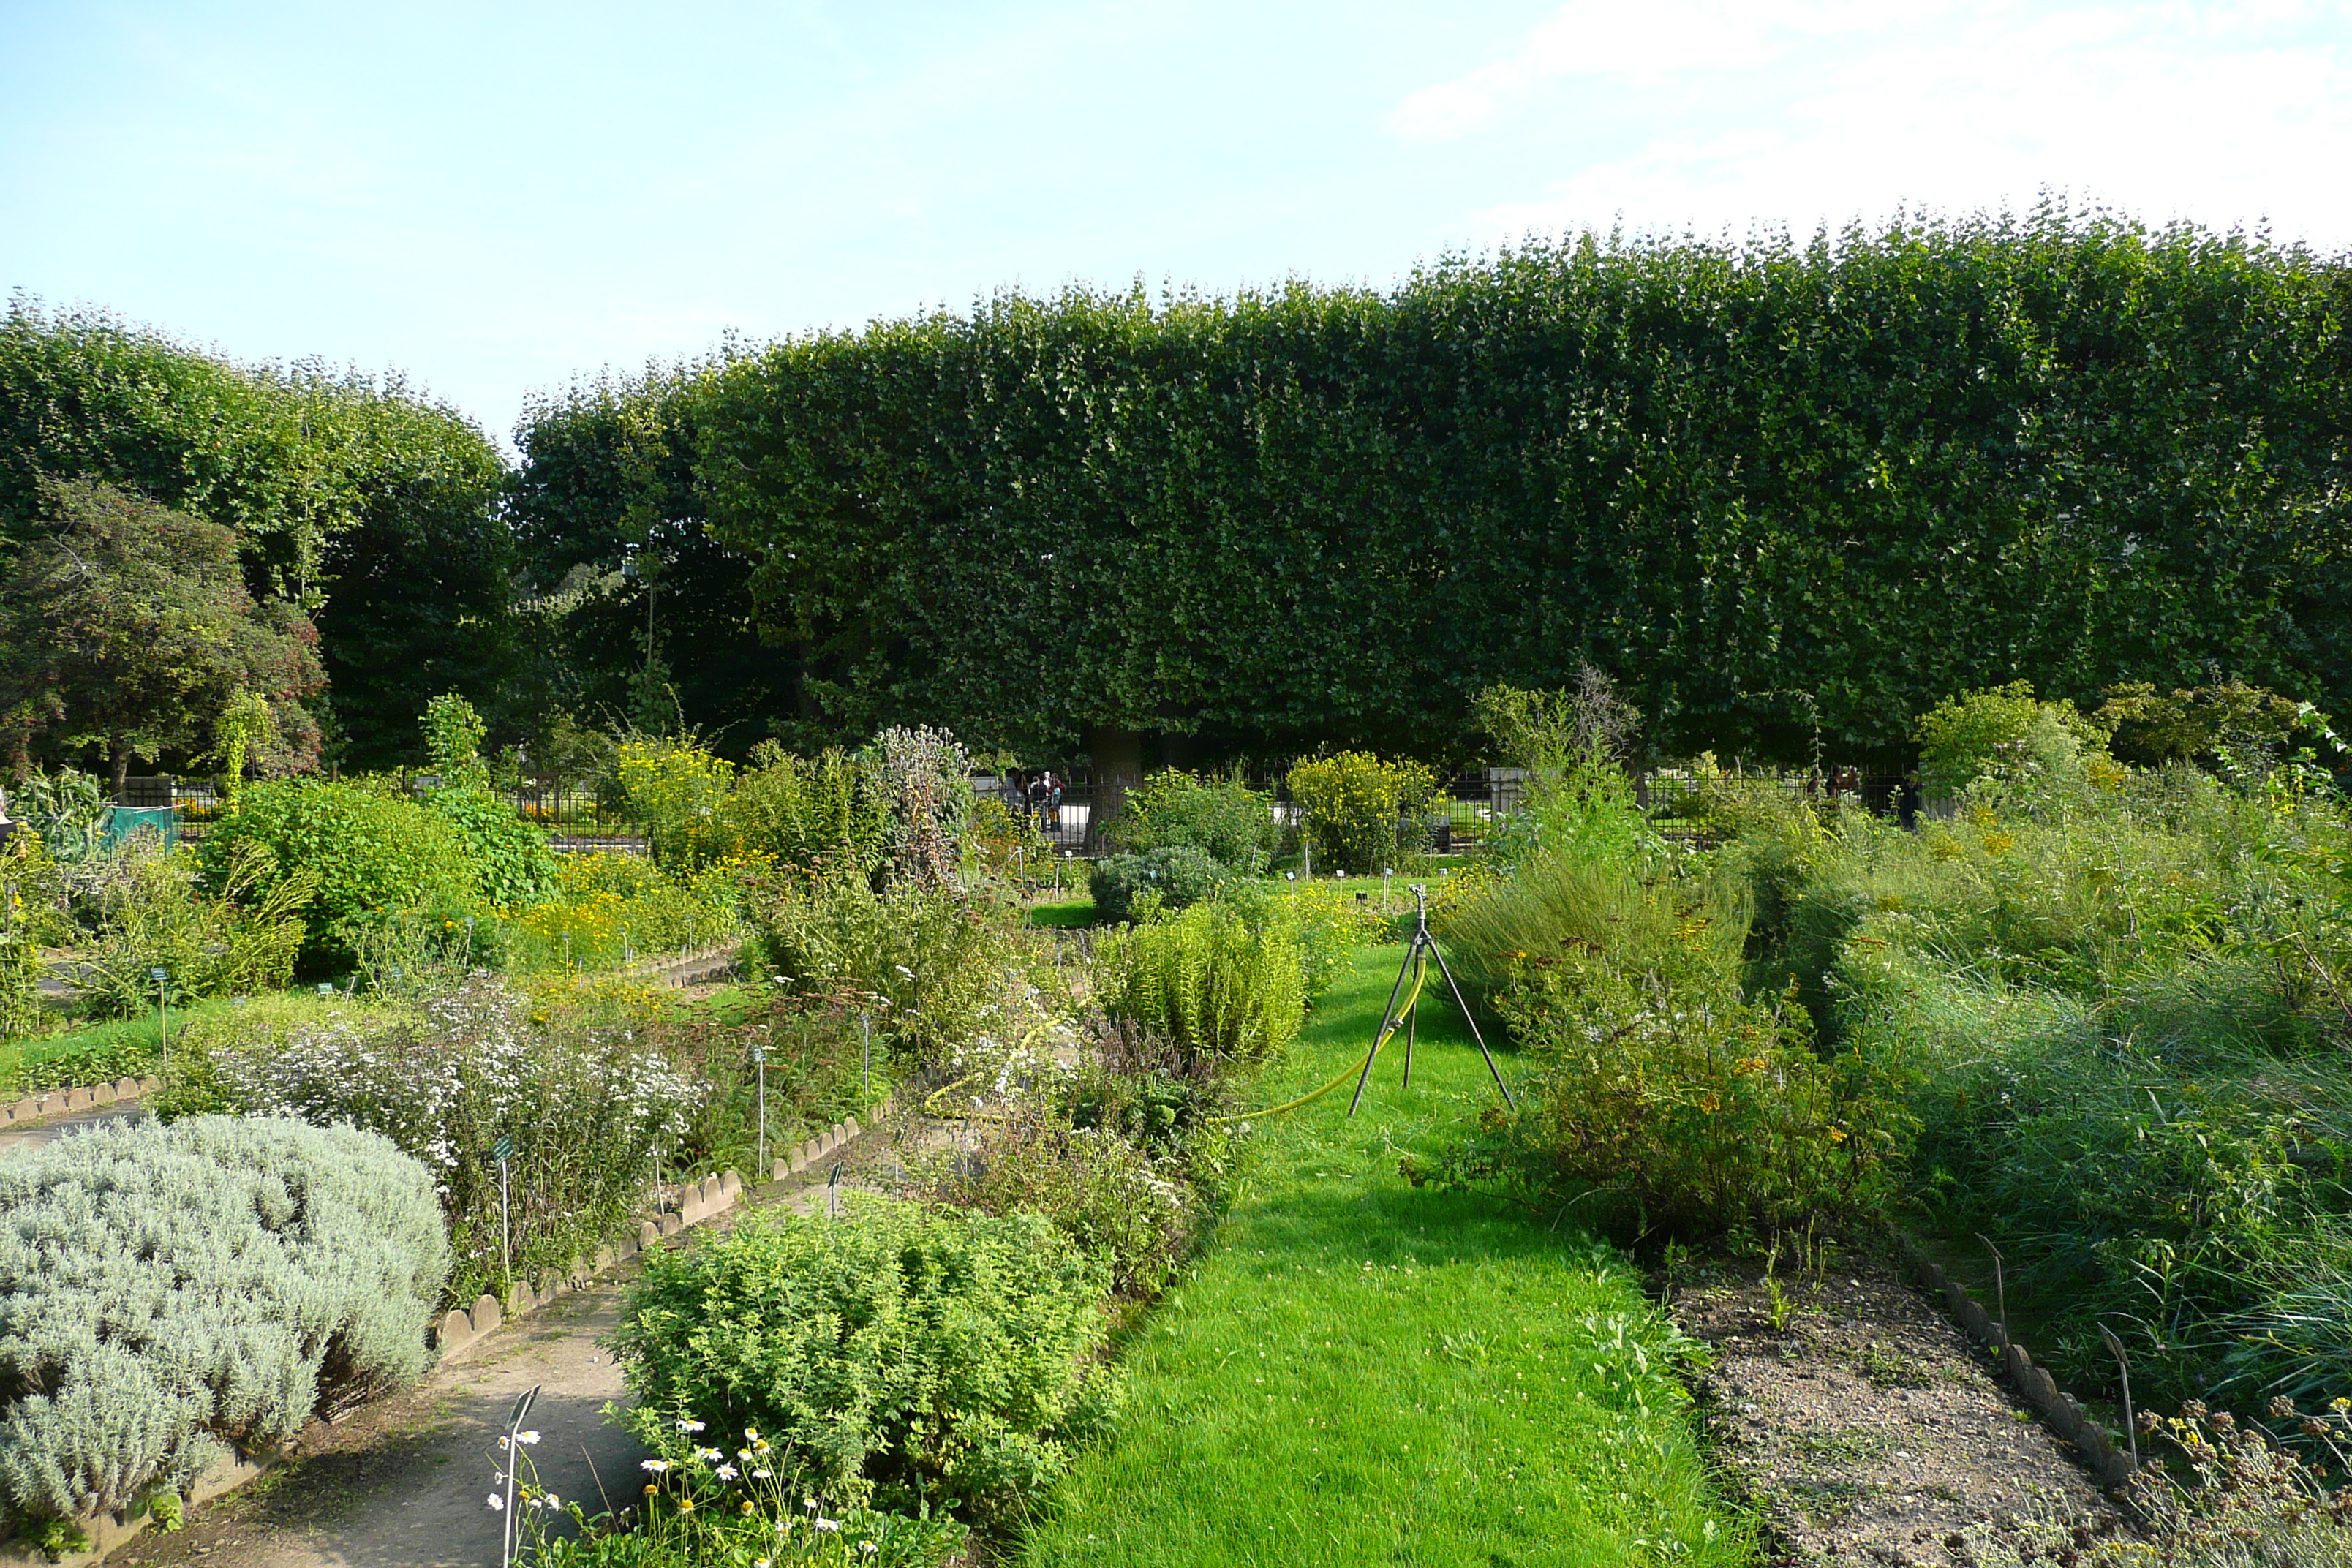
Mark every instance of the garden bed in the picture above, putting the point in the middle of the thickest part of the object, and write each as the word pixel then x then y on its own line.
pixel 1861 1425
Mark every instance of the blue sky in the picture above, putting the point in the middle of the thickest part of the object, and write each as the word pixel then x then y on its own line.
pixel 495 198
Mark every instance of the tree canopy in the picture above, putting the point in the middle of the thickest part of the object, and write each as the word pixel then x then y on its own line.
pixel 127 627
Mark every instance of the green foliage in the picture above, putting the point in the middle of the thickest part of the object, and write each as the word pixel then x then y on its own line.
pixel 1208 981
pixel 238 940
pixel 127 627
pixel 2005 736
pixel 797 812
pixel 705 1506
pixel 1170 878
pixel 68 809
pixel 2120 1029
pixel 816 1061
pixel 2203 724
pixel 937 1356
pixel 370 855
pixel 453 741
pixel 935 960
pixel 925 774
pixel 1326 512
pixel 608 908
pixel 1352 807
pixel 1222 817
pixel 168 1292
pixel 589 1111
pixel 678 791
pixel 511 863
pixel 1101 1190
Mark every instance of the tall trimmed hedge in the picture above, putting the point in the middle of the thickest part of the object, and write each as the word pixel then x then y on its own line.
pixel 1768 487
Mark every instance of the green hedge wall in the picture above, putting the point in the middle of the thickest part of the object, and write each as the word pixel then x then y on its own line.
pixel 1762 485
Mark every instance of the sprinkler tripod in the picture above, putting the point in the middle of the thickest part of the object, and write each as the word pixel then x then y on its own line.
pixel 1417 954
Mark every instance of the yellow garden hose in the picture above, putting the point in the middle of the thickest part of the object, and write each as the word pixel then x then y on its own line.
pixel 1396 1023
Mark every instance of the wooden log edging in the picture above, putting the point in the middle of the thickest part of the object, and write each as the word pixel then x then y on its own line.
pixel 46 1103
pixel 2065 1416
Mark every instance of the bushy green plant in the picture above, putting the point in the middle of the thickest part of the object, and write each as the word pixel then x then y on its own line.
pixel 170 1292
pixel 606 909
pixel 1103 1190
pixel 1208 980
pixel 1560 908
pixel 238 940
pixel 1352 803
pixel 817 1070
pixel 1220 815
pixel 935 1355
pixel 678 791
pixel 2005 734
pixel 368 854
pixel 935 959
pixel 1173 877
pixel 925 775
pixel 703 1505
pixel 511 863
pixel 797 812
pixel 589 1110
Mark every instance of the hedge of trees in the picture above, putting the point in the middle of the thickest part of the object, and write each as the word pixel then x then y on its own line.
pixel 356 502
pixel 1785 492
pixel 1768 487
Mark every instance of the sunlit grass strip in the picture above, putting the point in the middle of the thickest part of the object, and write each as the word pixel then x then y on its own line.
pixel 1361 1371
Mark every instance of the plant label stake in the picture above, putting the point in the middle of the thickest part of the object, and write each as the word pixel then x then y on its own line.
pixel 759 1066
pixel 469 943
pixel 866 1058
pixel 515 1419
pixel 2131 1422
pixel 162 1024
pixel 1417 955
pixel 2000 1285
pixel 832 1192
pixel 503 1153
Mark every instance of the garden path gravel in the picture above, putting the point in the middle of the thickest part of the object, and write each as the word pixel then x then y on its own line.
pixel 42 1133
pixel 1867 1428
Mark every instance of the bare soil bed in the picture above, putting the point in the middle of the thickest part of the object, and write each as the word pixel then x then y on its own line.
pixel 1864 1427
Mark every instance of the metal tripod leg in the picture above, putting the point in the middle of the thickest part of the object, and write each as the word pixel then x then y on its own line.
pixel 1460 1002
pixel 1412 1014
pixel 1388 1015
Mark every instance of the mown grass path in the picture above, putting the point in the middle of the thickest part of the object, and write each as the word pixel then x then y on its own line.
pixel 1361 1371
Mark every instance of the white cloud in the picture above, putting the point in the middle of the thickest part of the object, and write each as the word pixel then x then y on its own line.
pixel 1723 116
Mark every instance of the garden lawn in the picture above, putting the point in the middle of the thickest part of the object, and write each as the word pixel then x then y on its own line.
pixel 93 1053
pixel 1361 1372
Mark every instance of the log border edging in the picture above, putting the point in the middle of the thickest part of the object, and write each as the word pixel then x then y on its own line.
pixel 2059 1410
pixel 48 1103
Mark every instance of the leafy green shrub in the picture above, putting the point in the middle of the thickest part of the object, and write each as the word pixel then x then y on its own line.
pixel 679 792
pixel 1222 817
pixel 606 909
pixel 935 959
pixel 588 1111
pixel 369 855
pixel 167 1293
pixel 1352 805
pixel 816 1063
pixel 935 1355
pixel 1173 878
pixel 1208 981
pixel 2005 734
pixel 1557 907
pixel 798 812
pixel 511 862
pixel 1101 1190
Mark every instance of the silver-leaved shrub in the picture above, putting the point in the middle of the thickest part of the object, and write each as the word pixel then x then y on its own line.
pixel 170 1292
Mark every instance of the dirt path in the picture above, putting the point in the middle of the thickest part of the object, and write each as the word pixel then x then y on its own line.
pixel 1866 1429
pixel 42 1133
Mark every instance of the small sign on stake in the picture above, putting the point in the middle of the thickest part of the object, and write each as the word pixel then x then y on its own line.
pixel 503 1152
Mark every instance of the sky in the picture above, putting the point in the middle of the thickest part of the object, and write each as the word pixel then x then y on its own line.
pixel 495 199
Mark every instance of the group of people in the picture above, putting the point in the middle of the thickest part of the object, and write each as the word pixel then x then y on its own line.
pixel 1039 799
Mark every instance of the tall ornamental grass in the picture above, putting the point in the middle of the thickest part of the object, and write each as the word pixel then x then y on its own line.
pixel 169 1294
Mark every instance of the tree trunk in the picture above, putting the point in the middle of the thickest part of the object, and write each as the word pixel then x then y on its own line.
pixel 1118 757
pixel 121 756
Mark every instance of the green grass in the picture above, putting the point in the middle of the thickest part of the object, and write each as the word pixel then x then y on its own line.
pixel 120 1047
pixel 1361 1371
pixel 1069 914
